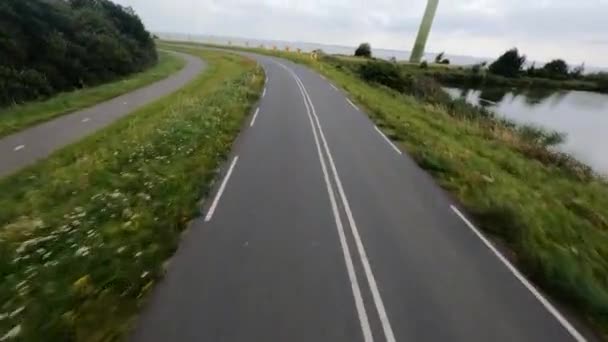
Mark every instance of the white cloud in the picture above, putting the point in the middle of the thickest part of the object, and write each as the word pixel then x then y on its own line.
pixel 543 29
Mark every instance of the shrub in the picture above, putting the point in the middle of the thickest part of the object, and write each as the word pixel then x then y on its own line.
pixel 557 68
pixel 440 60
pixel 509 64
pixel 364 50
pixel 383 73
pixel 424 65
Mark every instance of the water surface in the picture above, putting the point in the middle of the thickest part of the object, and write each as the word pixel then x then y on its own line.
pixel 582 116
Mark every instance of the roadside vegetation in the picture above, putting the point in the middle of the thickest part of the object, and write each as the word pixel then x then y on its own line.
pixel 548 208
pixel 50 46
pixel 510 70
pixel 18 117
pixel 84 235
pixel 364 50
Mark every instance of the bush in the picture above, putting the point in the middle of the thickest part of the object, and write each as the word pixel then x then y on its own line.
pixel 424 65
pixel 52 46
pixel 419 86
pixel 364 50
pixel 383 73
pixel 557 69
pixel 440 60
pixel 509 64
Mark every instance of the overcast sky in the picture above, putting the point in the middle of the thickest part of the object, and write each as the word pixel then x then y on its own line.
pixel 576 30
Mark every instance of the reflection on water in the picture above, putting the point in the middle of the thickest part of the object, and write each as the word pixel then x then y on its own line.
pixel 583 116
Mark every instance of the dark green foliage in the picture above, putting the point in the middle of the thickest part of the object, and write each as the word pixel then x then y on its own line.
pixel 364 50
pixel 48 46
pixel 388 74
pixel 601 79
pixel 578 71
pixel 556 68
pixel 440 60
pixel 509 64
pixel 383 73
pixel 424 65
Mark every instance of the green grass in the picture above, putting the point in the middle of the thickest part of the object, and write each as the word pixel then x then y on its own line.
pixel 18 117
pixel 546 207
pixel 84 234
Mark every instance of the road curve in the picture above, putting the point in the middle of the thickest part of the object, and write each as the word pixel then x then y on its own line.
pixel 322 230
pixel 23 148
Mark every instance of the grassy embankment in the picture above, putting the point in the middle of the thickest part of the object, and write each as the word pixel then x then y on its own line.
pixel 84 234
pixel 549 209
pixel 18 117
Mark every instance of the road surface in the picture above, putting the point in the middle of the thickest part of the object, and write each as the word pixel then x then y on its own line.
pixel 32 144
pixel 321 230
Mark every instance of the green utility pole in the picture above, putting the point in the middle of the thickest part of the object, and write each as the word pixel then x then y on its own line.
pixel 423 32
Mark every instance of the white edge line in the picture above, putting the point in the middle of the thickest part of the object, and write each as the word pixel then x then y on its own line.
pixel 352 104
pixel 561 319
pixel 333 86
pixel 359 305
pixel 20 147
pixel 216 200
pixel 388 140
pixel 377 298
pixel 264 92
pixel 255 116
pixel 323 77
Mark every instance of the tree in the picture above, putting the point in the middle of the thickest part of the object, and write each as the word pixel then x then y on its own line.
pixel 509 64
pixel 364 50
pixel 47 46
pixel 578 71
pixel 439 58
pixel 532 71
pixel 557 68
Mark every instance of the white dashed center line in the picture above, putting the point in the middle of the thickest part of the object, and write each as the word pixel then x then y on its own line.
pixel 86 119
pixel 20 147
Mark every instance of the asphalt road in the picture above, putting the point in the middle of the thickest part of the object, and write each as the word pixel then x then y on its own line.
pixel 30 145
pixel 321 230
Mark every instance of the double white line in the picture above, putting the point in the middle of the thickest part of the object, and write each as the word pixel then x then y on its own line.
pixel 361 311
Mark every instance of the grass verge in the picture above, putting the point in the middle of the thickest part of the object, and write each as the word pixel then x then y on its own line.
pixel 18 117
pixel 549 209
pixel 84 234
